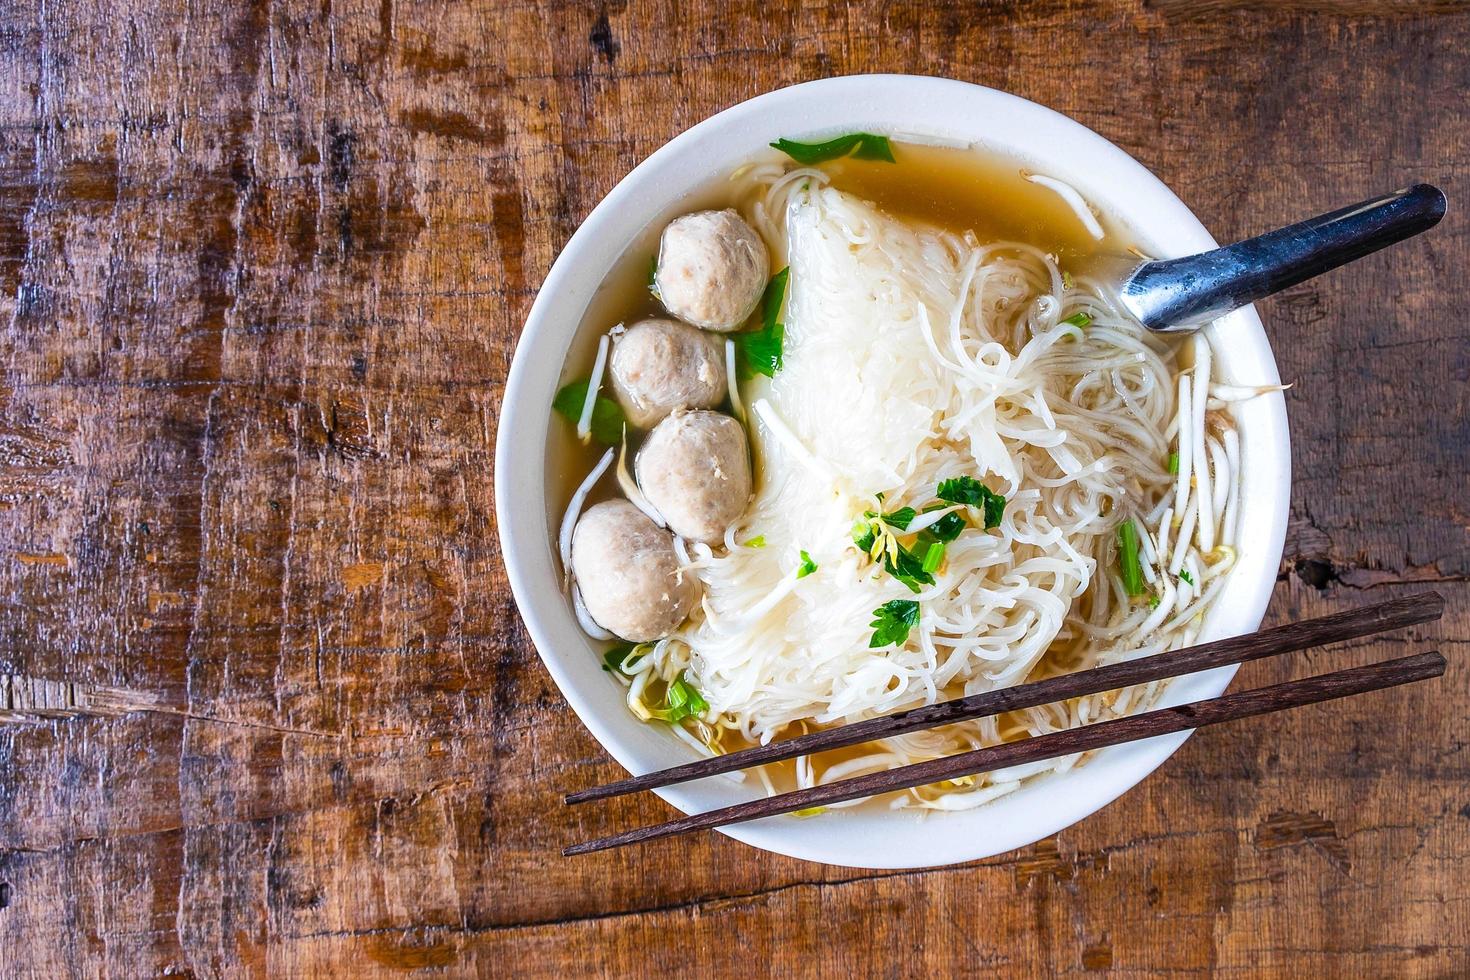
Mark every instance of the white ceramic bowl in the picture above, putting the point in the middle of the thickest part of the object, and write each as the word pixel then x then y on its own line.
pixel 896 105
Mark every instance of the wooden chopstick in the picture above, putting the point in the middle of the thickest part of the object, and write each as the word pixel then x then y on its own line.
pixel 1349 624
pixel 1163 721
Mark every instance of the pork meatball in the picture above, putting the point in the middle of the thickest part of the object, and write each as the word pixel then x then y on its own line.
pixel 628 573
pixel 660 365
pixel 712 269
pixel 695 469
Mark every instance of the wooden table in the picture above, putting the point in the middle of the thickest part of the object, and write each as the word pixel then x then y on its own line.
pixel 272 712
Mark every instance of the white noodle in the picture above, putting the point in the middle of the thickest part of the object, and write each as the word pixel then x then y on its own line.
pixel 584 422
pixel 574 510
pixel 736 404
pixel 632 491
pixel 584 617
pixel 1074 200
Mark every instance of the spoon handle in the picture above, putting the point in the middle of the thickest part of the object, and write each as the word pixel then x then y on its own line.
pixel 1185 293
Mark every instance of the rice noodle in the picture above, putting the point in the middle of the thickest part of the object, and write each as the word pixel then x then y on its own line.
pixel 589 401
pixel 914 356
pixel 574 510
pixel 1074 200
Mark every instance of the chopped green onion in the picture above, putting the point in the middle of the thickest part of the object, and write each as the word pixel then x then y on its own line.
pixel 1067 281
pixel 759 541
pixel 683 700
pixel 1078 320
pixel 607 418
pixel 892 623
pixel 810 811
pixel 1128 563
pixel 759 351
pixel 968 490
pixel 862 146
pixel 1173 462
pixel 934 557
pixel 807 566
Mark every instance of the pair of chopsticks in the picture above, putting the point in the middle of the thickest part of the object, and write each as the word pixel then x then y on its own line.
pixel 1378 618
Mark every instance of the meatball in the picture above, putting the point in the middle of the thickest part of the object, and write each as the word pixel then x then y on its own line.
pixel 660 365
pixel 712 269
pixel 695 468
pixel 628 574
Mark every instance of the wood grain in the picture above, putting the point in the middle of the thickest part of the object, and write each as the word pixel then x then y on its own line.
pixel 262 269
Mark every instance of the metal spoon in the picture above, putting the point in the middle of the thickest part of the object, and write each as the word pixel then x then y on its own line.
pixel 1185 294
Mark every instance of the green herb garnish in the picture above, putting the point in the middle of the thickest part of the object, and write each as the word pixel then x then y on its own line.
pixel 759 351
pixel 892 622
pixel 1173 462
pixel 1078 320
pixel 862 146
pixel 683 700
pixel 1185 576
pixel 1067 281
pixel 880 544
pixel 934 557
pixel 1153 601
pixel 1128 564
pixel 947 528
pixel 759 541
pixel 653 276
pixel 607 416
pixel 616 659
pixel 807 566
pixel 968 490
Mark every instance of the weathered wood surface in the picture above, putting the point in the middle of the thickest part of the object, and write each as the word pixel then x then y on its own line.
pixel 262 268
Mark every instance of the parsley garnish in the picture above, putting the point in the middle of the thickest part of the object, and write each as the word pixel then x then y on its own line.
pixel 1128 564
pixel 1078 320
pixel 1187 577
pixel 862 146
pixel 807 566
pixel 892 622
pixel 947 528
pixel 759 351
pixel 607 416
pixel 968 490
pixel 879 544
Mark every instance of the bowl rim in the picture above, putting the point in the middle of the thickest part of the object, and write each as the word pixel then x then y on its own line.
pixel 928 108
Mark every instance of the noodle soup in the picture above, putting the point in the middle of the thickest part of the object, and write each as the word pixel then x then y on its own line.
pixel 969 469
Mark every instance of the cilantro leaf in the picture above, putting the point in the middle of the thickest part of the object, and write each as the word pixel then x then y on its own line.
pixel 1186 577
pixel 607 416
pixel 615 660
pixel 892 622
pixel 759 351
pixel 968 490
pixel 862 146
pixel 807 566
pixel 946 529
